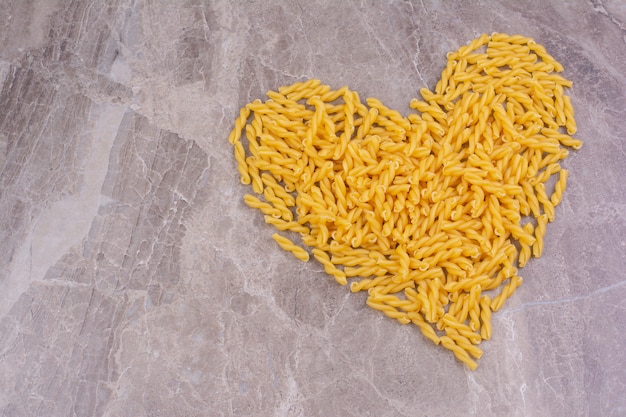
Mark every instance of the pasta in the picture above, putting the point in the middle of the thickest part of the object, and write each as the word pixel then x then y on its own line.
pixel 432 213
pixel 288 245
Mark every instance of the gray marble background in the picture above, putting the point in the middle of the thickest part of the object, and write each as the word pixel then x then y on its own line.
pixel 135 282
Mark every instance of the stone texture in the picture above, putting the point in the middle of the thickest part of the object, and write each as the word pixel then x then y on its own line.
pixel 134 281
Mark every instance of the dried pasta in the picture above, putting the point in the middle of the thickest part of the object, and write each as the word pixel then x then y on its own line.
pixel 433 213
pixel 288 245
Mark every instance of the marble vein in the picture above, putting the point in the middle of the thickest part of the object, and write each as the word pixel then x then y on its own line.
pixel 593 294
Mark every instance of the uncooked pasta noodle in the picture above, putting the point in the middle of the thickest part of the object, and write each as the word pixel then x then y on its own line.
pixel 288 245
pixel 431 213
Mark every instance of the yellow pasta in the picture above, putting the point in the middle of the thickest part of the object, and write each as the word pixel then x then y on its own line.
pixel 389 311
pixel 281 224
pixel 288 245
pixel 559 188
pixel 427 329
pixel 485 318
pixel 464 342
pixel 507 291
pixel 540 232
pixel 458 351
pixel 432 213
pixel 265 208
pixel 235 134
pixel 329 267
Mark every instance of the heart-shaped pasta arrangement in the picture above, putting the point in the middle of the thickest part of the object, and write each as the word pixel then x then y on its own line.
pixel 430 213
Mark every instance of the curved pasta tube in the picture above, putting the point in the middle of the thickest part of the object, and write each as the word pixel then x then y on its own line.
pixel 288 245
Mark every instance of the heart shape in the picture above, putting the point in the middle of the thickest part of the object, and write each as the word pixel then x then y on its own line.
pixel 431 213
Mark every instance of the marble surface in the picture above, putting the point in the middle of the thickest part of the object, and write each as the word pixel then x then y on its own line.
pixel 135 282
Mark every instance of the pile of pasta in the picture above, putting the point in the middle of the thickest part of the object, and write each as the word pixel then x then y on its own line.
pixel 431 213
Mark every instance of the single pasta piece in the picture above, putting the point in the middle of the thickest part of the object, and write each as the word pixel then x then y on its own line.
pixel 485 317
pixel 507 291
pixel 559 188
pixel 288 245
pixel 329 267
pixel 540 232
